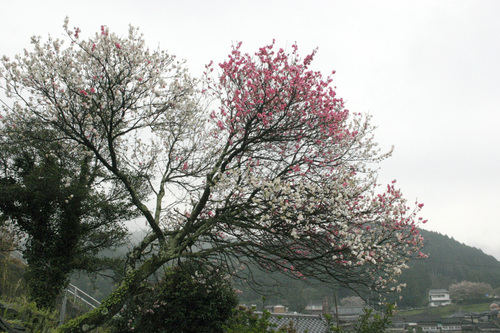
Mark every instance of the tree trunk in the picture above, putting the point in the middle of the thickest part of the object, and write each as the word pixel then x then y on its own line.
pixel 114 303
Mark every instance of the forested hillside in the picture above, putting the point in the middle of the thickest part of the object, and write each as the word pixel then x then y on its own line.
pixel 449 262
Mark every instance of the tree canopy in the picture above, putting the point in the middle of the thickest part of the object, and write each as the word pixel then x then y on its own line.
pixel 258 160
pixel 47 192
pixel 188 298
pixel 466 291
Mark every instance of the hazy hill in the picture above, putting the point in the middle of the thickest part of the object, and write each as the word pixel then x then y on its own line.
pixel 449 262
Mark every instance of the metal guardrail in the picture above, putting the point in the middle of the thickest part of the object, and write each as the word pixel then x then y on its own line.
pixel 76 292
pixel 19 256
pixel 82 296
pixel 79 295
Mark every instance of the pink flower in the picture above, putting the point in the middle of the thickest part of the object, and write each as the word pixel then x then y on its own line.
pixel 220 125
pixel 118 46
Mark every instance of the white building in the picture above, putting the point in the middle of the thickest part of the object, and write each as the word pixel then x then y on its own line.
pixel 439 297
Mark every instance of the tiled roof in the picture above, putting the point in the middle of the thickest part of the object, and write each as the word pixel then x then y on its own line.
pixel 433 291
pixel 350 310
pixel 302 323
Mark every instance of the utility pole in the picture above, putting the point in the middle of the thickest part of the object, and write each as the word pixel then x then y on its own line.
pixel 336 309
pixel 62 314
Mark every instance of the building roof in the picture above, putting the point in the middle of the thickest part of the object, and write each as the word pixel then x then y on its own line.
pixel 416 318
pixel 435 291
pixel 350 310
pixel 461 314
pixel 488 327
pixel 301 322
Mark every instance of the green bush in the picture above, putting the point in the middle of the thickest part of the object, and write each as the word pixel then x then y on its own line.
pixel 368 322
pixel 28 315
pixel 247 321
pixel 189 299
pixel 12 284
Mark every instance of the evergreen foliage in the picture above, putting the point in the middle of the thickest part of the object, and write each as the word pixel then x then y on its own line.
pixel 45 193
pixel 451 261
pixel 246 320
pixel 368 322
pixel 190 298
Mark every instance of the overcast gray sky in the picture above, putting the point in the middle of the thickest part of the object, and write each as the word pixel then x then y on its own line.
pixel 428 72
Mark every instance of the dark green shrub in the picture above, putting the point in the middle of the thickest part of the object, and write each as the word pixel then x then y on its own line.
pixel 247 321
pixel 190 298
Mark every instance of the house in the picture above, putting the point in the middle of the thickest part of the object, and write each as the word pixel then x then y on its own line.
pixel 314 308
pixel 428 324
pixel 279 309
pixel 451 325
pixel 276 308
pixel 456 323
pixel 423 323
pixel 349 313
pixel 318 307
pixel 439 297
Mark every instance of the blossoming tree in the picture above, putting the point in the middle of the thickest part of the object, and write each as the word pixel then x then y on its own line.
pixel 273 170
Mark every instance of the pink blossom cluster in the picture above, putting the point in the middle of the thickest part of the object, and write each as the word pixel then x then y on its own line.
pixel 300 161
